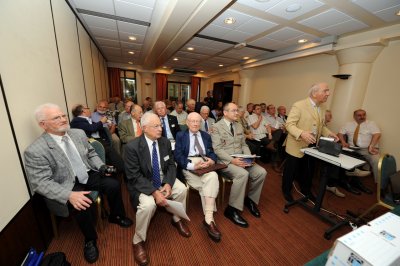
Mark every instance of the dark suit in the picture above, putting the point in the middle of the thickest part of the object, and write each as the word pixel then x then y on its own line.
pixel 51 175
pixel 140 186
pixel 173 125
pixel 182 148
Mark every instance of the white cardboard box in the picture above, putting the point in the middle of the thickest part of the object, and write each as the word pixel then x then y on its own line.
pixel 375 244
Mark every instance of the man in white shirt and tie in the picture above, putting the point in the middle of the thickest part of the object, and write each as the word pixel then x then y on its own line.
pixel 206 122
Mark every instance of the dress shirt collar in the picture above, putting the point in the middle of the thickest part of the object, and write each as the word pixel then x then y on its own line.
pixel 228 124
pixel 57 138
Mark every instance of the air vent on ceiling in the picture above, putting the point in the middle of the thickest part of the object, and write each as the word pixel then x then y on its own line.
pixel 184 72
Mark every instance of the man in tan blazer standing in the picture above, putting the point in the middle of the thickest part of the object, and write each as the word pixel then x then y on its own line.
pixel 305 125
pixel 227 139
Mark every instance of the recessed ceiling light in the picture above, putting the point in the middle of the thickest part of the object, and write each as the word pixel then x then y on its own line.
pixel 131 63
pixel 201 71
pixel 246 57
pixel 302 40
pixel 293 7
pixel 175 59
pixel 190 48
pixel 164 67
pixel 230 20
pixel 398 13
pixel 132 38
pixel 220 65
pixel 131 52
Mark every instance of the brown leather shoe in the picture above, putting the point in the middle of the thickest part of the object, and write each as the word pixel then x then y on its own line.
pixel 140 254
pixel 212 231
pixel 271 146
pixel 182 228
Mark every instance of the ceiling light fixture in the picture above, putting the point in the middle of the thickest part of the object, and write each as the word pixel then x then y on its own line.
pixel 302 40
pixel 230 20
pixel 246 57
pixel 164 67
pixel 175 59
pixel 132 38
pixel 131 52
pixel 220 65
pixel 398 13
pixel 190 48
pixel 293 7
pixel 201 71
pixel 131 63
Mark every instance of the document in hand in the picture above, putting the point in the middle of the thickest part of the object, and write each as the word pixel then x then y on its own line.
pixel 248 158
pixel 176 208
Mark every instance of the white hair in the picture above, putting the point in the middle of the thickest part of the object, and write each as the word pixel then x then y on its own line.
pixel 146 118
pixel 204 107
pixel 314 88
pixel 156 104
pixel 40 111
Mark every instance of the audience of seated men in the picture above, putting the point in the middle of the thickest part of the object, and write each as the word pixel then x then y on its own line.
pixel 194 151
pixel 206 121
pixel 169 123
pixel 228 139
pixel 63 167
pixel 151 174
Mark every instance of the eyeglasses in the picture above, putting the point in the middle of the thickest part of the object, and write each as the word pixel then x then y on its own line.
pixel 155 126
pixel 234 111
pixel 57 118
pixel 194 121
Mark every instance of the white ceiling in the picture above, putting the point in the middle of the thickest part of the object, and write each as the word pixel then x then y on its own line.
pixel 164 29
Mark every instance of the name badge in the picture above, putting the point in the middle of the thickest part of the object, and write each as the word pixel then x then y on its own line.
pixel 166 158
pixel 173 125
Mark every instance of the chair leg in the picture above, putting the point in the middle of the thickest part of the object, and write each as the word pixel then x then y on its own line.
pixel 223 192
pixel 54 225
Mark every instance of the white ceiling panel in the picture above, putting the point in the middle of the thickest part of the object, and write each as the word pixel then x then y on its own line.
pixel 215 31
pixel 305 6
pixel 255 26
pixel 236 36
pixel 375 6
pixel 389 14
pixel 345 27
pixel 258 4
pixel 267 43
pixel 102 6
pixel 190 55
pixel 131 45
pixel 196 41
pixel 124 36
pixel 326 19
pixel 133 11
pixel 104 33
pixel 109 43
pixel 105 23
pixel 132 28
pixel 146 3
pixel 285 34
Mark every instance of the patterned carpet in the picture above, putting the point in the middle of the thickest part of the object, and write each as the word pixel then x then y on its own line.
pixel 276 238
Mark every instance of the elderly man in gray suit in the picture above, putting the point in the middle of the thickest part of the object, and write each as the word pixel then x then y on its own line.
pixel 63 167
pixel 228 139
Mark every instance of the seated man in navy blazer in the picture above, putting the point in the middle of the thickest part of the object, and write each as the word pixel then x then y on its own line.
pixel 169 123
pixel 194 151
pixel 151 174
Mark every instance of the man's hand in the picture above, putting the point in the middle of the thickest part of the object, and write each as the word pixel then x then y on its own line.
pixel 103 119
pixel 79 200
pixel 160 199
pixel 239 162
pixel 372 150
pixel 308 137
pixel 209 162
pixel 345 145
pixel 166 190
pixel 334 136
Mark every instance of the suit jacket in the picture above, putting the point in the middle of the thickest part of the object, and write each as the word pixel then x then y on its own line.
pixel 182 147
pixel 126 131
pixel 302 117
pixel 82 123
pixel 139 169
pixel 210 122
pixel 225 144
pixel 173 125
pixel 50 172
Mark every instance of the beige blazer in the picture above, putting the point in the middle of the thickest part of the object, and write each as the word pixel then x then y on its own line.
pixel 126 131
pixel 302 117
pixel 225 144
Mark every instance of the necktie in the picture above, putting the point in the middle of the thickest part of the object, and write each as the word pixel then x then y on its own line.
pixel 355 137
pixel 232 132
pixel 164 129
pixel 197 145
pixel 75 159
pixel 138 129
pixel 206 125
pixel 155 167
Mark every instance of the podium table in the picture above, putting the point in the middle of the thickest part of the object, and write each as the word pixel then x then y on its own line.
pixel 343 161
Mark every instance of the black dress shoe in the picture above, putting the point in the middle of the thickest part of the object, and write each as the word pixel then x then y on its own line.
pixel 233 215
pixel 360 186
pixel 349 188
pixel 121 221
pixel 252 207
pixel 90 251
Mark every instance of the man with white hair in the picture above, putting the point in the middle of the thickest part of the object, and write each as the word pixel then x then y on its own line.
pixel 63 167
pixel 194 151
pixel 151 174
pixel 305 125
pixel 169 123
pixel 206 122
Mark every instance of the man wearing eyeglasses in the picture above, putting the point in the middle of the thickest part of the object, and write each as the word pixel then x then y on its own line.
pixel 169 123
pixel 63 167
pixel 194 151
pixel 151 174
pixel 228 139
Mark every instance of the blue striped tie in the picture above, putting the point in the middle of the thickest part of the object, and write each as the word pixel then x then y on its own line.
pixel 156 168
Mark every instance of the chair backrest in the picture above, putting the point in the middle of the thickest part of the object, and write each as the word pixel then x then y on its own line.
pixel 386 168
pixel 98 147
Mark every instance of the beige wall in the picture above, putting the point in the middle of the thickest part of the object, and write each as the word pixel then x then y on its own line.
pixel 39 63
